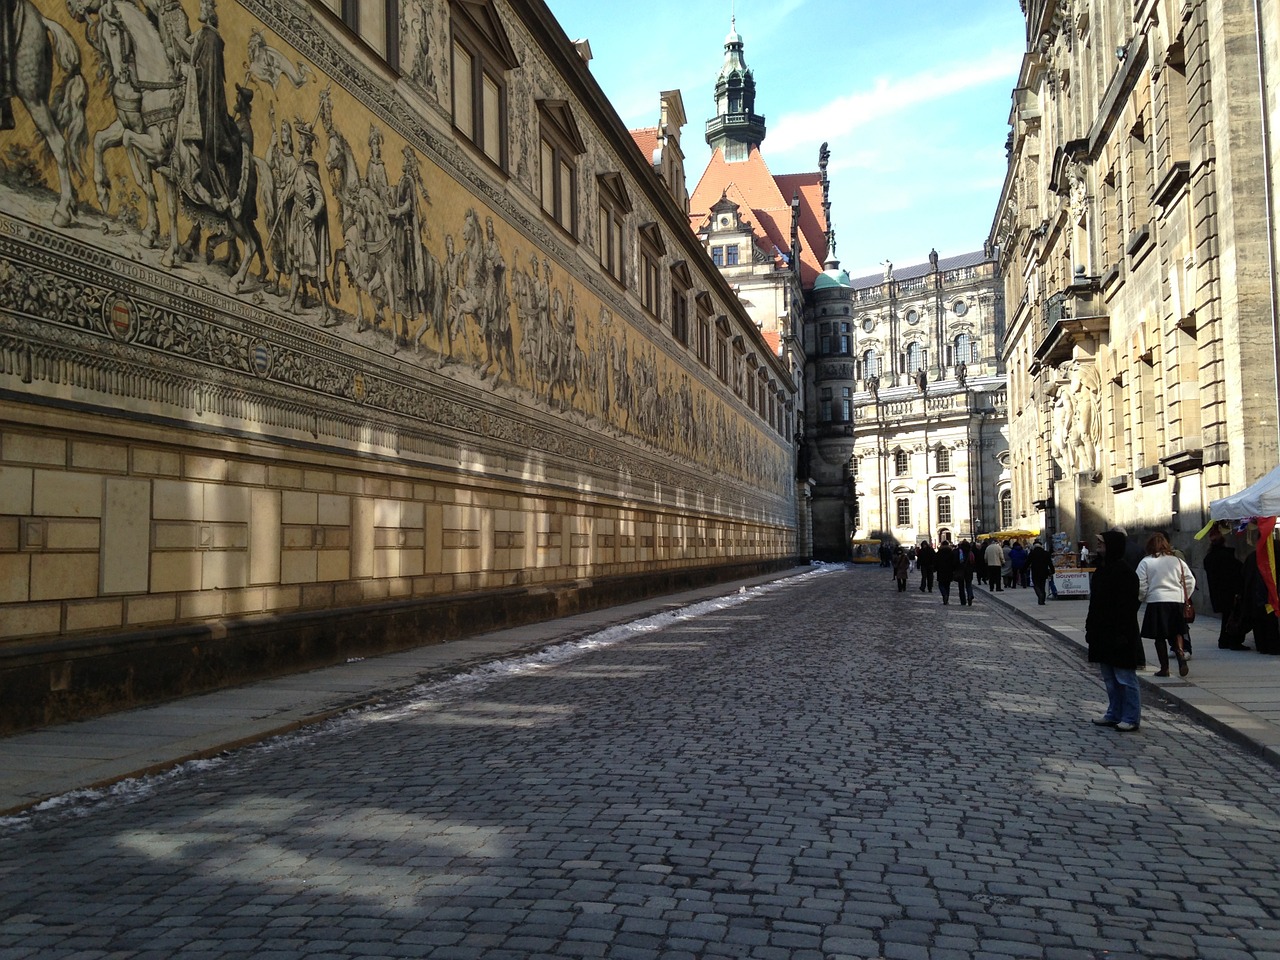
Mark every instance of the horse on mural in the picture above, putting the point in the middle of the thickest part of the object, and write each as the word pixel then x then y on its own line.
pixel 148 78
pixel 57 113
pixel 366 253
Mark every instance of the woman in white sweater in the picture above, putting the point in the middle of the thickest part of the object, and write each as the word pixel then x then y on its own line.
pixel 1165 583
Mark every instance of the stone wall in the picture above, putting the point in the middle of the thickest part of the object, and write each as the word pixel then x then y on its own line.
pixel 318 376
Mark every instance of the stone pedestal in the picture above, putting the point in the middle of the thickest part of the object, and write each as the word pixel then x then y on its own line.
pixel 1082 508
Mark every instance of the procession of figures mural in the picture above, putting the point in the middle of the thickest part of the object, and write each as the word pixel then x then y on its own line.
pixel 277 185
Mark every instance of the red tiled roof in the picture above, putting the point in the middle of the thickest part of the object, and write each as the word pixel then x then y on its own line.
pixel 766 202
pixel 774 339
pixel 646 139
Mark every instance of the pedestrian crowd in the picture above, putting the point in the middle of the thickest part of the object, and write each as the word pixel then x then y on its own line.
pixel 1159 586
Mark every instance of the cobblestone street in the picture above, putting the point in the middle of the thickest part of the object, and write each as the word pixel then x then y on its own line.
pixel 824 768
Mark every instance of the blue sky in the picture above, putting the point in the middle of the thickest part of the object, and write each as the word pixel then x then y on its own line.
pixel 913 98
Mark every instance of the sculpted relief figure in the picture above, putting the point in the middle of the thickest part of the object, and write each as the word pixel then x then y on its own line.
pixel 1086 422
pixel 1061 417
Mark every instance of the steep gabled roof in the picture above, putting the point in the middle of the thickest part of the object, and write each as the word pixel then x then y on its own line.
pixel 646 140
pixel 766 202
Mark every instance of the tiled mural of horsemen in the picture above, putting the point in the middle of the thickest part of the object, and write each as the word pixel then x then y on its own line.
pixel 169 90
pixel 30 45
pixel 321 219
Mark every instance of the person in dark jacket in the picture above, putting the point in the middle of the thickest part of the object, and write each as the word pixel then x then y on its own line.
pixel 1040 563
pixel 1264 623
pixel 1225 574
pixel 926 559
pixel 901 568
pixel 945 567
pixel 1112 633
pixel 967 562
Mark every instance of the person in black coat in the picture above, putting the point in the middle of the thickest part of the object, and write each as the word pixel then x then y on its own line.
pixel 1225 574
pixel 1040 563
pixel 945 566
pixel 1112 633
pixel 926 562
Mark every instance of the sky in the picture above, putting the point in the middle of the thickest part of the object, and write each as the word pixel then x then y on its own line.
pixel 912 97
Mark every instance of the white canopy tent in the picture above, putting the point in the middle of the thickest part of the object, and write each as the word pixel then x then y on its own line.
pixel 1260 500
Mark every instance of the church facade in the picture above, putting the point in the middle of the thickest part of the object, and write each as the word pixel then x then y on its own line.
pixel 395 337
pixel 1138 249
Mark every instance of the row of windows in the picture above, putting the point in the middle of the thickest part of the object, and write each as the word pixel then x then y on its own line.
pixel 481 59
pixel 837 339
pixel 941 462
pixel 943 510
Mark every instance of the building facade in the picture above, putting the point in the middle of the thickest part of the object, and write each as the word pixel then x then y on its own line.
pixel 1138 249
pixel 398 336
pixel 908 405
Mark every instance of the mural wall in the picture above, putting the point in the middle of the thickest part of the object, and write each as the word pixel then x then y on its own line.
pixel 229 236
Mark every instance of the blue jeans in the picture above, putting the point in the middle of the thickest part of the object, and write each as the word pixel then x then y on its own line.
pixel 1124 702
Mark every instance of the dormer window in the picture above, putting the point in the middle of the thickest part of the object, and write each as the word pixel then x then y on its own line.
pixel 560 146
pixel 482 57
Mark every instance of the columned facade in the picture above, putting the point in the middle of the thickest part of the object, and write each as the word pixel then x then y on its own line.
pixel 1138 241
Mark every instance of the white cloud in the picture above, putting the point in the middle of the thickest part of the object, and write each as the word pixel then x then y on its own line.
pixel 845 114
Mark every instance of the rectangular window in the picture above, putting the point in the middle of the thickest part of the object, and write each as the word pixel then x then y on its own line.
pixel 731 256
pixel 944 509
pixel 679 312
pixel 614 205
pixel 649 283
pixel 548 177
pixel 463 85
pixel 824 405
pixel 722 360
pixel 375 22
pixel 904 512
pixel 492 113
pixel 704 340
pixel 717 256
pixel 846 404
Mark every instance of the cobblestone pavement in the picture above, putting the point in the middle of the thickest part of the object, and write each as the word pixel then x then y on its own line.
pixel 824 768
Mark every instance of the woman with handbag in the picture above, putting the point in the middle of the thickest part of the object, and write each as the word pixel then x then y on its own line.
pixel 1165 583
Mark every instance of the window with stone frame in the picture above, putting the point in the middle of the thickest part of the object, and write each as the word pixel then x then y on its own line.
pixel 722 348
pixel 917 357
pixel 731 255
pixel 559 147
pixel 717 256
pixel 375 22
pixel 824 404
pixel 901 463
pixel 846 404
pixel 481 57
pixel 942 460
pixel 652 250
pixel 870 364
pixel 1006 509
pixel 613 206
pixel 681 294
pixel 904 511
pixel 944 509
pixel 844 338
pixel 704 325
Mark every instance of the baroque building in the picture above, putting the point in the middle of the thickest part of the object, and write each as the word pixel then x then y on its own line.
pixel 1138 251
pixel 329 328
pixel 907 411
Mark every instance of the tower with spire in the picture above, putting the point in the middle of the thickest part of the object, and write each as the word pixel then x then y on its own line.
pixel 736 127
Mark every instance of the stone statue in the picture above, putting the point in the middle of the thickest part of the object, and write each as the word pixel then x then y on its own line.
pixel 922 380
pixel 1061 417
pixel 873 387
pixel 1086 421
pixel 962 373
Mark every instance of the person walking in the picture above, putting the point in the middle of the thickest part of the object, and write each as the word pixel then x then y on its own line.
pixel 1006 565
pixel 945 567
pixel 926 561
pixel 1017 564
pixel 994 558
pixel 966 564
pixel 1225 574
pixel 1165 583
pixel 1111 632
pixel 1040 565
pixel 901 569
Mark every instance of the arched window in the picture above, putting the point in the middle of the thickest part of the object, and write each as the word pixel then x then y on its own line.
pixel 964 349
pixel 915 357
pixel 1006 509
pixel 900 463
pixel 870 364
pixel 942 459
